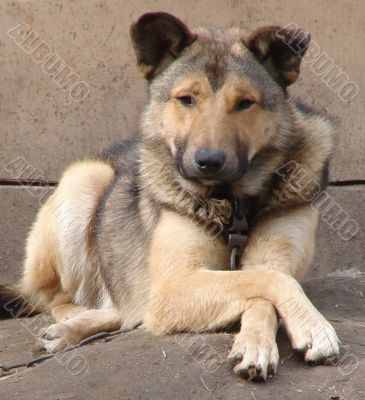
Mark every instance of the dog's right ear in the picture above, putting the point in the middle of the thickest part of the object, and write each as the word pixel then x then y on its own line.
pixel 158 39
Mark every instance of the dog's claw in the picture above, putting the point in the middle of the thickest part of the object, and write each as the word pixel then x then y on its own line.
pixel 308 346
pixel 253 357
pixel 271 369
pixel 38 348
pixel 233 359
pixel 42 333
pixel 310 332
pixel 318 340
pixel 252 373
pixel 50 340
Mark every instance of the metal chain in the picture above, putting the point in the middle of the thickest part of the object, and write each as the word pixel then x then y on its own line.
pixel 107 336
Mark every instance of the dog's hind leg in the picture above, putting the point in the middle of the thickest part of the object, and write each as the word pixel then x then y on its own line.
pixel 61 273
pixel 66 311
pixel 72 331
pixel 40 283
pixel 60 260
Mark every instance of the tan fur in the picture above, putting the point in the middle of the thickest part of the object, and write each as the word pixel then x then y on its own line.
pixel 59 259
pixel 284 243
pixel 196 253
pixel 256 127
pixel 98 262
pixel 219 297
pixel 66 311
pixel 71 331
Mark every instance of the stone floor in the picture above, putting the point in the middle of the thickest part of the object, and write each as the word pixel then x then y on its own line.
pixel 139 366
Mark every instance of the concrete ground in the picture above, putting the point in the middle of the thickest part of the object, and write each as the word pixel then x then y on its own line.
pixel 43 129
pixel 139 366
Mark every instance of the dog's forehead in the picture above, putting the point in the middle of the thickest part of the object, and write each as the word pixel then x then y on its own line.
pixel 224 51
pixel 218 44
pixel 220 35
pixel 219 53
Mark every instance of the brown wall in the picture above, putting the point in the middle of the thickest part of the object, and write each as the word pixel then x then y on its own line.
pixel 43 128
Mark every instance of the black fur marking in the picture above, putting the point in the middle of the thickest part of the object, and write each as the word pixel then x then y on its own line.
pixel 306 109
pixel 280 51
pixel 13 304
pixel 120 154
pixel 158 36
pixel 216 70
pixel 325 179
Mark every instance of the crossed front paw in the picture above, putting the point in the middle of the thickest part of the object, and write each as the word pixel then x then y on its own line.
pixel 254 356
pixel 316 337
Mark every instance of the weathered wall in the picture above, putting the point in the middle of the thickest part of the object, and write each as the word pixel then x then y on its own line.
pixel 43 127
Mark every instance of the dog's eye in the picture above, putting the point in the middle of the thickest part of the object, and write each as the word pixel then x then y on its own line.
pixel 244 104
pixel 186 101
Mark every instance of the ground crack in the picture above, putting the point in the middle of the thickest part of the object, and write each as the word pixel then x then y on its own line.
pixel 6 370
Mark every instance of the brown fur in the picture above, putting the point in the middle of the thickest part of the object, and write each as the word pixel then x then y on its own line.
pixel 136 234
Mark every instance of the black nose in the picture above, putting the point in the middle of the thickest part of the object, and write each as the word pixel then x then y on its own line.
pixel 209 161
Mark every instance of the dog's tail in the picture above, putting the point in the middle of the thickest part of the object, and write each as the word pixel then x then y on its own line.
pixel 13 304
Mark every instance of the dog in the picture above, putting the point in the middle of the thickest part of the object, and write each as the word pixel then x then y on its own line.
pixel 197 222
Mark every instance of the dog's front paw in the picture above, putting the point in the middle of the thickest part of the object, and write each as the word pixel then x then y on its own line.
pixel 254 356
pixel 54 338
pixel 312 334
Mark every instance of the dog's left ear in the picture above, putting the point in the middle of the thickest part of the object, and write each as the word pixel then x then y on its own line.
pixel 280 50
pixel 158 39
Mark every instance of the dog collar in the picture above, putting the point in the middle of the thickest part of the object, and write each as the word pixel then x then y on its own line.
pixel 237 233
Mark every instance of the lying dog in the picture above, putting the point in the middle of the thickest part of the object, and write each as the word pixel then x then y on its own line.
pixel 149 230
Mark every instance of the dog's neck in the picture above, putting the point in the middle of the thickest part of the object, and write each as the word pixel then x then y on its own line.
pixel 163 183
pixel 219 212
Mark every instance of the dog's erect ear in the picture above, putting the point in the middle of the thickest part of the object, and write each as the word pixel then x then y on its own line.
pixel 280 50
pixel 158 39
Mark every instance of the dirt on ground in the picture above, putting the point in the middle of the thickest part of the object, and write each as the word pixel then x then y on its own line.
pixel 139 366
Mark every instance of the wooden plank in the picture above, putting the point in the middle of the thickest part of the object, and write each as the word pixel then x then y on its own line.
pixel 19 207
pixel 42 124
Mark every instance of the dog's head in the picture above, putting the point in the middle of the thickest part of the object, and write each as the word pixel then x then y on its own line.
pixel 217 97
